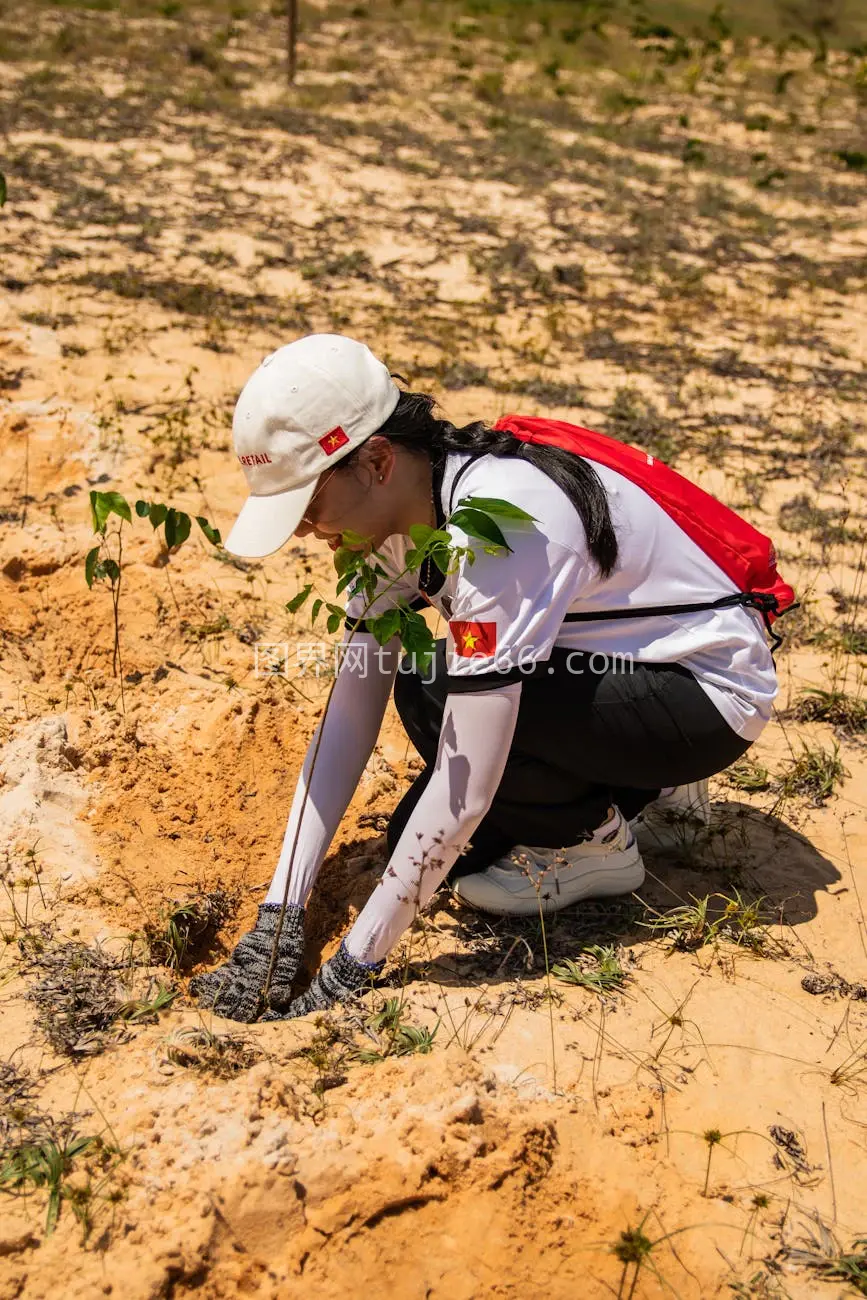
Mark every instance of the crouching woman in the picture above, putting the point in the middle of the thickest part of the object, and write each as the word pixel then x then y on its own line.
pixel 600 669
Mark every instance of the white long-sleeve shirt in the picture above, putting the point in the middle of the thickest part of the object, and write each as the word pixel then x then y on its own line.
pixel 520 602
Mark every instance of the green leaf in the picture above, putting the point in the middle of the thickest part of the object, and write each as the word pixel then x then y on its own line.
pixel 182 531
pixel 99 511
pixel 158 513
pixel 349 538
pixel 442 556
pixel 476 524
pixel 103 504
pixel 171 527
pixel 90 561
pixel 498 508
pixel 386 625
pixel 142 509
pixel 344 582
pixel 417 638
pixel 299 598
pixel 212 534
pixel 97 519
pixel 77 1146
pixel 420 533
pixel 346 560
pixel 317 605
pixel 423 657
pixel 53 1209
pixel 117 505
pixel 112 570
pixel 334 621
pixel 337 610
pixel 3 190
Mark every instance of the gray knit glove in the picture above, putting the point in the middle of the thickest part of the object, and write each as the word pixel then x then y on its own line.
pixel 340 977
pixel 234 990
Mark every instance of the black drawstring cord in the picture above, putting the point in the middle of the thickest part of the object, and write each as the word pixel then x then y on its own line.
pixel 764 601
pixel 767 604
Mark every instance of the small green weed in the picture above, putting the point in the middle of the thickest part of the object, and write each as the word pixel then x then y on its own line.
pixel 854 159
pixel 713 1137
pixel 846 713
pixel 760 1201
pixel 814 773
pixel 717 917
pixel 634 1250
pixel 748 775
pixel 46 1163
pixel 326 1053
pixel 633 418
pixel 820 524
pixel 851 1073
pixel 394 1036
pixel 599 969
pixel 145 1009
pixel 168 944
pixel 207 631
pixel 178 936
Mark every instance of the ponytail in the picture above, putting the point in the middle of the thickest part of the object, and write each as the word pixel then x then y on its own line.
pixel 414 426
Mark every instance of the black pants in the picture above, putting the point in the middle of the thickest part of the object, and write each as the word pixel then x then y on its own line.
pixel 584 740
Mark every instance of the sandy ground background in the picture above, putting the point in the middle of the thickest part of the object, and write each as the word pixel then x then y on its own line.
pixel 668 246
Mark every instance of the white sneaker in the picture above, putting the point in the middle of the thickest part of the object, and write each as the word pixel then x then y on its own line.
pixel 608 863
pixel 676 820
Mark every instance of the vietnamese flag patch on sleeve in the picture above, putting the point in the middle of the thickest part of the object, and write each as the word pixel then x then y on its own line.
pixel 474 639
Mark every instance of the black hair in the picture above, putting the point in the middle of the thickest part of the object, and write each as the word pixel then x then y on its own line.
pixel 414 425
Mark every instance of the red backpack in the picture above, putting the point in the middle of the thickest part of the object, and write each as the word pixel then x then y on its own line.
pixel 743 553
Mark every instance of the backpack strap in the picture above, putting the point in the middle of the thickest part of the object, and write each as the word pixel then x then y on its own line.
pixel 764 601
pixel 460 474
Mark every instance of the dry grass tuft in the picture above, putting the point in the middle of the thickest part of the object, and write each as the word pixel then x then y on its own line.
pixel 221 1055
pixel 824 1256
pixel 78 999
pixel 84 1000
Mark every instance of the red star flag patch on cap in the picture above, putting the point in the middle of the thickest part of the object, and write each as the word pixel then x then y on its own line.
pixel 474 639
pixel 333 440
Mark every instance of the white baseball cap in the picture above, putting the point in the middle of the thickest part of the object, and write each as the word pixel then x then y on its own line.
pixel 308 405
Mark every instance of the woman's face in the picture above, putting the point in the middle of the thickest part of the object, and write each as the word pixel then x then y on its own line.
pixel 345 500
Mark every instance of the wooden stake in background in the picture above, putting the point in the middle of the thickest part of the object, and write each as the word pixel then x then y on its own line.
pixel 292 37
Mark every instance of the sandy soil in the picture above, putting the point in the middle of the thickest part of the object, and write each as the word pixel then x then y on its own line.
pixel 711 1107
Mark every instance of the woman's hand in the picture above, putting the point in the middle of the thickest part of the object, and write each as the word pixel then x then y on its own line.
pixel 235 989
pixel 340 977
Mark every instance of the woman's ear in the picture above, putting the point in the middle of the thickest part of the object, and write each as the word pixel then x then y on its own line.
pixel 379 458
